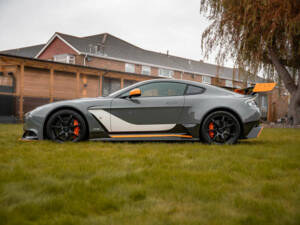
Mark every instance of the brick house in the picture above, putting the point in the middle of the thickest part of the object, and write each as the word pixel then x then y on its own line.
pixel 115 64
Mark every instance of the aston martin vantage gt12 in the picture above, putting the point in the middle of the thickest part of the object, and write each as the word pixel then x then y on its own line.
pixel 153 110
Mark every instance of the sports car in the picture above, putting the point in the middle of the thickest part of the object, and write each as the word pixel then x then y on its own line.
pixel 155 110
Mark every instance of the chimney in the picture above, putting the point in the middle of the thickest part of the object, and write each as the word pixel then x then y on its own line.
pixel 104 39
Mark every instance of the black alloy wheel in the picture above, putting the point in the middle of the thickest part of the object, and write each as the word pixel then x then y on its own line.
pixel 220 127
pixel 66 126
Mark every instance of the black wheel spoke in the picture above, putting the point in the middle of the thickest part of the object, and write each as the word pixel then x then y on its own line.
pixel 60 119
pixel 215 122
pixel 70 119
pixel 73 126
pixel 60 134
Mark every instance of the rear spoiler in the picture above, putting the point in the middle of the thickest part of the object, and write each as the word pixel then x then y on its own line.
pixel 259 87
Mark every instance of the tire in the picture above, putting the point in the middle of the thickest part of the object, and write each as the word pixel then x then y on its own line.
pixel 66 126
pixel 220 127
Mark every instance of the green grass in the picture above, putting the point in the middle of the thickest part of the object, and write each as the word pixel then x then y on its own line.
pixel 254 182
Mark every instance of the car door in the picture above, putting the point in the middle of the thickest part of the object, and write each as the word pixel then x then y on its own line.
pixel 157 109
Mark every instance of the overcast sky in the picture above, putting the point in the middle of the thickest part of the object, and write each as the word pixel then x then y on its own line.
pixel 157 25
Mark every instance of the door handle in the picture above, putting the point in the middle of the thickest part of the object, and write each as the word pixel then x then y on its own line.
pixel 171 102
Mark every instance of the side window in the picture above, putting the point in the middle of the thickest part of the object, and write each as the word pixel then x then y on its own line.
pixel 194 90
pixel 161 89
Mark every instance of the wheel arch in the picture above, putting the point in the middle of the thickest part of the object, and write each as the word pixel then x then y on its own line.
pixel 65 108
pixel 233 112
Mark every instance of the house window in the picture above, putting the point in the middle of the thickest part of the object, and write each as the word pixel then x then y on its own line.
pixel 65 58
pixel 206 80
pixel 228 83
pixel 146 70
pixel 7 83
pixel 110 85
pixel 130 68
pixel 165 72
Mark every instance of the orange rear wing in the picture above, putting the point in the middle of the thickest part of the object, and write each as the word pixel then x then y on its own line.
pixel 264 87
pixel 259 87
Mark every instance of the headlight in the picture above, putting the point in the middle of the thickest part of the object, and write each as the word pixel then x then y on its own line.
pixel 251 103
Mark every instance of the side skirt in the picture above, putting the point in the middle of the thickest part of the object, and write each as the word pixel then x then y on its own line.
pixel 147 137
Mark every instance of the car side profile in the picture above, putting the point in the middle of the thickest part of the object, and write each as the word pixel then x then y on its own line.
pixel 156 110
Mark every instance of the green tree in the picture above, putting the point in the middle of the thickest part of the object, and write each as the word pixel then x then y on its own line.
pixel 260 35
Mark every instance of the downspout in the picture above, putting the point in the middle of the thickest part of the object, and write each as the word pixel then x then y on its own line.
pixel 84 59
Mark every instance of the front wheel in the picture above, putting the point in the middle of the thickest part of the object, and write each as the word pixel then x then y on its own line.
pixel 66 126
pixel 220 127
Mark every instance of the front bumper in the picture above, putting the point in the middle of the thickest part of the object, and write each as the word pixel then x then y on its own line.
pixel 33 127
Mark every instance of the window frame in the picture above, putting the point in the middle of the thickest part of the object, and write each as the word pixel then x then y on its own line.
pixel 120 95
pixel 170 75
pixel 188 85
pixel 65 58
pixel 142 70
pixel 205 81
pixel 229 85
pixel 126 67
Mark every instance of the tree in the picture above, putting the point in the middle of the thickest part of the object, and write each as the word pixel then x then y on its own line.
pixel 260 35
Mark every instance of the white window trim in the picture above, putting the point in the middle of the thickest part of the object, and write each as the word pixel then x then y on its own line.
pixel 206 77
pixel 64 58
pixel 148 70
pixel 128 65
pixel 170 75
pixel 229 83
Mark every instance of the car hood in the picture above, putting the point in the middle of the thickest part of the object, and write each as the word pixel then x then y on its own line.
pixel 80 103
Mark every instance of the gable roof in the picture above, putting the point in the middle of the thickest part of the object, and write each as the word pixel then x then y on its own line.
pixel 30 51
pixel 115 48
pixel 56 35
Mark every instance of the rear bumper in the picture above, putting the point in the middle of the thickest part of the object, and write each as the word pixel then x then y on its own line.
pixel 255 132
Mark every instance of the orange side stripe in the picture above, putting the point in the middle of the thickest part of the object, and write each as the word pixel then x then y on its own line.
pixel 151 135
pixel 260 131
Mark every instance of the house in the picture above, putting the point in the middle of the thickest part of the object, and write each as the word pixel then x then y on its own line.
pixel 106 64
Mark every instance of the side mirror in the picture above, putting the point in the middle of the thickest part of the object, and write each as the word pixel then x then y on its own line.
pixel 135 92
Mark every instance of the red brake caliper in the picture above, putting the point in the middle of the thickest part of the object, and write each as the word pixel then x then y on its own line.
pixel 211 127
pixel 76 129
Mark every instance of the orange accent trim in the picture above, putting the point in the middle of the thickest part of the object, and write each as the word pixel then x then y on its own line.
pixel 135 92
pixel 260 131
pixel 262 87
pixel 151 135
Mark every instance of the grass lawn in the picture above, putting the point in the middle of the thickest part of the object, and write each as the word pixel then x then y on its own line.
pixel 254 182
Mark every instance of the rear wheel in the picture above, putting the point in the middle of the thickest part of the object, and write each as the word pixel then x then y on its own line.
pixel 220 127
pixel 66 126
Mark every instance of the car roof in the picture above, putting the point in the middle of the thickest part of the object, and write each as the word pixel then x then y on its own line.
pixel 117 93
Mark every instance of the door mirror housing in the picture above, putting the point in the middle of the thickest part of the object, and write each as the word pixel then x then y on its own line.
pixel 135 92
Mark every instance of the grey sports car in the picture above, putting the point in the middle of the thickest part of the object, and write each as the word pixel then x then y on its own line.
pixel 156 110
